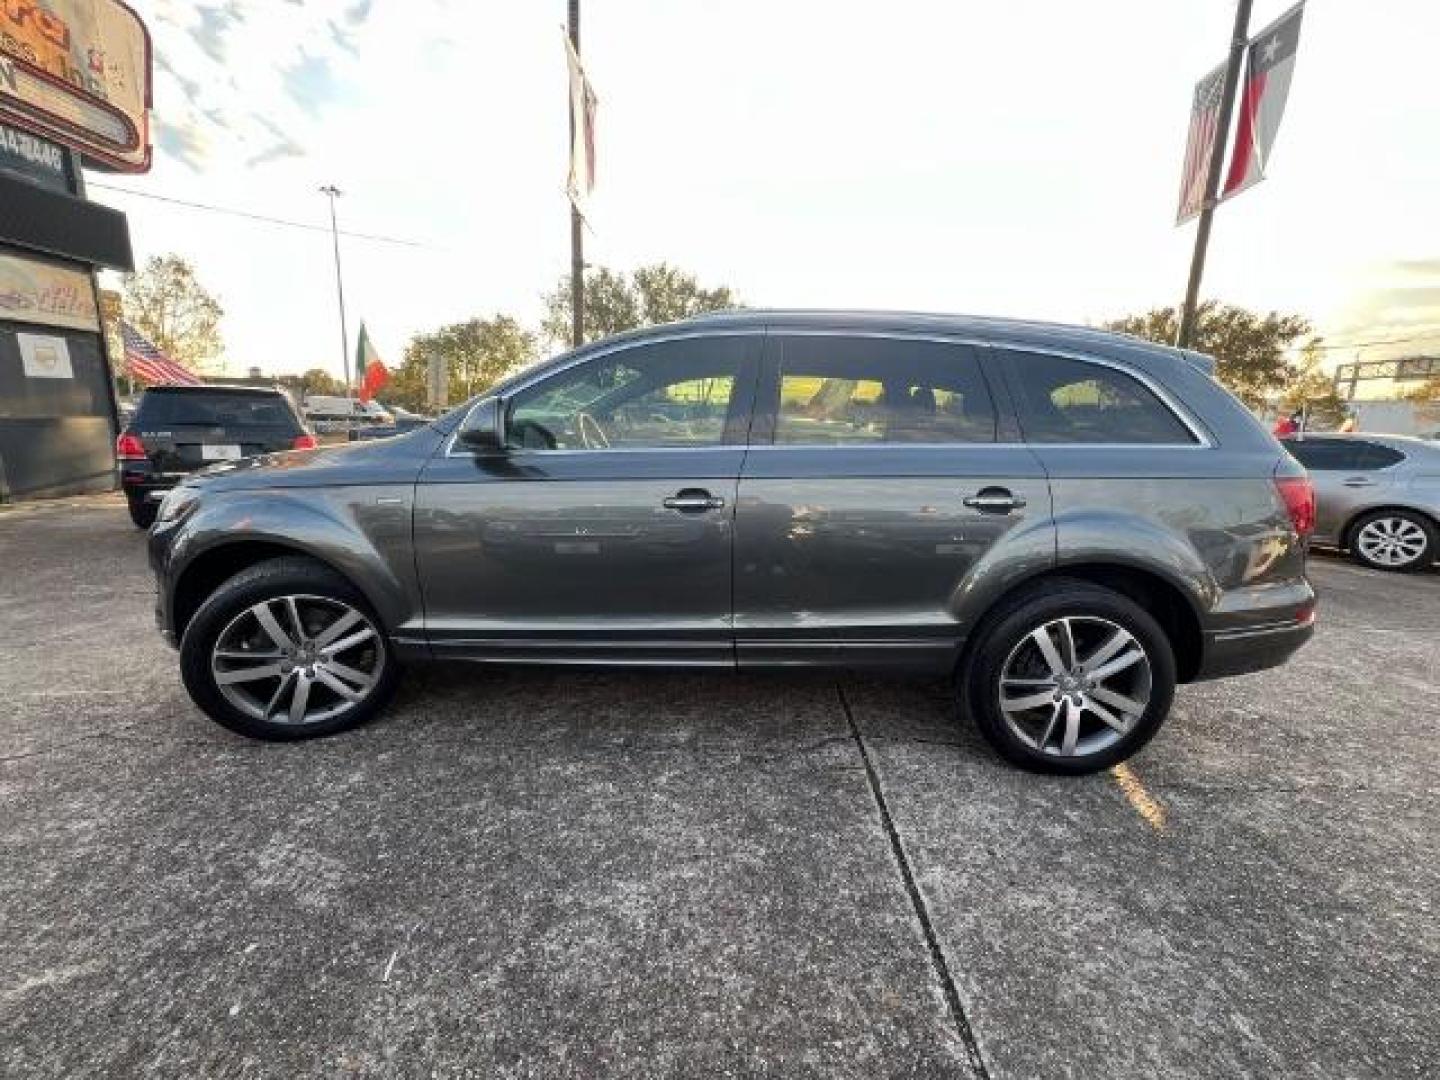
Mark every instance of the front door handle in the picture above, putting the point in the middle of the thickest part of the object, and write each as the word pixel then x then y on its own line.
pixel 693 501
pixel 994 500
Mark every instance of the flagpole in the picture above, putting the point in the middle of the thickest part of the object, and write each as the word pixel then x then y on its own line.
pixel 577 240
pixel 1239 37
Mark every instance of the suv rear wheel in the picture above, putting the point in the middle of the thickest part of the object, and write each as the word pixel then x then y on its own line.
pixel 1071 679
pixel 287 649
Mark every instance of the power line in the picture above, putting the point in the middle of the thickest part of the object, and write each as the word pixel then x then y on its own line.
pixel 258 217
pixel 1431 336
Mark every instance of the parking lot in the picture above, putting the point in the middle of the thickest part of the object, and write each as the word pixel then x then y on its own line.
pixel 562 874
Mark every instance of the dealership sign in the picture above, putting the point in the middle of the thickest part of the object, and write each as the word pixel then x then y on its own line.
pixel 78 71
pixel 32 291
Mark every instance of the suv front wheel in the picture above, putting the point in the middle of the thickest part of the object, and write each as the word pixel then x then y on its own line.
pixel 1071 679
pixel 287 649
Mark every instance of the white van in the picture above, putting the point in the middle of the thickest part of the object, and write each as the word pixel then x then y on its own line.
pixel 338 413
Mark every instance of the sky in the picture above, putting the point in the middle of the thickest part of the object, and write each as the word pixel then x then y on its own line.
pixel 1019 158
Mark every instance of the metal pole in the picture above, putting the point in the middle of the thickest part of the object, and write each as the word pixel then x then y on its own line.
pixel 1239 37
pixel 333 192
pixel 577 240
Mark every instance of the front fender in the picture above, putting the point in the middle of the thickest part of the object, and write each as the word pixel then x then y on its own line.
pixel 363 533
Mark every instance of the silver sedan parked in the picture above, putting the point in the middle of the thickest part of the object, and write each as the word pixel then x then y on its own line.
pixel 1377 495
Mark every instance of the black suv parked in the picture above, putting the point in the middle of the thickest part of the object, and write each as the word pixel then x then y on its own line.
pixel 179 429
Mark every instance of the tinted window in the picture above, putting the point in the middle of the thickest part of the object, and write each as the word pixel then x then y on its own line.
pixel 670 394
pixel 218 408
pixel 1341 455
pixel 837 390
pixel 1071 401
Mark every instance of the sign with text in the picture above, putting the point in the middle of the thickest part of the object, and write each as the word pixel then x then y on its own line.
pixel 44 357
pixel 32 291
pixel 38 160
pixel 78 71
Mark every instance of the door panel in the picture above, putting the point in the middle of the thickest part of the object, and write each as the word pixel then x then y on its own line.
pixel 856 547
pixel 609 541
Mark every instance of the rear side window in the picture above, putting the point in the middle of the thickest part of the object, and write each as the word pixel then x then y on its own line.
pixel 1342 455
pixel 859 391
pixel 214 409
pixel 1061 400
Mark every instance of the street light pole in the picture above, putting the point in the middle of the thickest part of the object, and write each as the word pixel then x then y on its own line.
pixel 333 192
pixel 1239 37
pixel 577 240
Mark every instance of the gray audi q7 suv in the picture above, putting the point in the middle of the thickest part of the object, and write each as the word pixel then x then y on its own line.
pixel 1067 521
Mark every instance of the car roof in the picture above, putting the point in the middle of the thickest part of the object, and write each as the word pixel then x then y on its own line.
pixel 227 387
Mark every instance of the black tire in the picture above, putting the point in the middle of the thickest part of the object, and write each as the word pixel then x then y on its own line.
pixel 1425 557
pixel 1003 633
pixel 269 580
pixel 142 512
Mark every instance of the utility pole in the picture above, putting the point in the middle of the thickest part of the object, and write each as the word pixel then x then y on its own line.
pixel 333 193
pixel 577 240
pixel 1239 38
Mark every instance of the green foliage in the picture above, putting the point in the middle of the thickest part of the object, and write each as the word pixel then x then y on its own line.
pixel 314 381
pixel 1311 389
pixel 476 354
pixel 167 304
pixel 1249 348
pixel 614 302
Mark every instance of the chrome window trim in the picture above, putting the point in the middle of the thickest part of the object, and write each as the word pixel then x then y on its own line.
pixel 1188 420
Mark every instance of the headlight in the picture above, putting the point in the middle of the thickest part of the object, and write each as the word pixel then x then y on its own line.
pixel 177 503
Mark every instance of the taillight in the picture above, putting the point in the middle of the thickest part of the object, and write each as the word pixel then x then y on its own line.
pixel 304 442
pixel 128 447
pixel 1298 495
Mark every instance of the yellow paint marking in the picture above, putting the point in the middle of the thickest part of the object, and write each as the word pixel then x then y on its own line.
pixel 1145 804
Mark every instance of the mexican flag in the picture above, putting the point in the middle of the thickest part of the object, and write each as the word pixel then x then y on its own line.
pixel 368 365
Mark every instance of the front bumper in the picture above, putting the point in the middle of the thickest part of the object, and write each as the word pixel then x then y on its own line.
pixel 159 552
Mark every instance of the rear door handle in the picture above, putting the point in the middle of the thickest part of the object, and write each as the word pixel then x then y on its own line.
pixel 994 500
pixel 693 501
pixel 1358 481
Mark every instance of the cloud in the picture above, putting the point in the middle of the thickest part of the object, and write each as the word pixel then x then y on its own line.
pixel 278 152
pixel 184 141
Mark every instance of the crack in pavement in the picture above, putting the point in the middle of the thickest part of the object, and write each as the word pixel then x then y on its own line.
pixel 922 913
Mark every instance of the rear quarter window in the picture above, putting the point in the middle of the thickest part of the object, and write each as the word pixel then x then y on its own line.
pixel 1062 400
pixel 219 409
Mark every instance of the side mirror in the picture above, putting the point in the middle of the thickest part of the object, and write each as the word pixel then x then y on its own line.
pixel 484 427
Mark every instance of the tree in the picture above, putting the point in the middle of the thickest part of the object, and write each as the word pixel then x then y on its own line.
pixel 614 302
pixel 167 304
pixel 313 381
pixel 476 355
pixel 1310 389
pixel 1249 348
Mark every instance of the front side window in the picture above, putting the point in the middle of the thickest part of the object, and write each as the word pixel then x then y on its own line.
pixel 667 394
pixel 1061 400
pixel 858 391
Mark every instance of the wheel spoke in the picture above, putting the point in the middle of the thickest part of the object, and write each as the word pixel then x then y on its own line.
pixel 348 693
pixel 1050 726
pixel 1041 637
pixel 338 627
pixel 285 682
pixel 1029 701
pixel 1120 663
pixel 1067 641
pixel 266 618
pixel 349 674
pixel 364 634
pixel 1107 716
pixel 1072 727
pixel 1113 645
pixel 247 654
pixel 1127 706
pixel 300 699
pixel 250 674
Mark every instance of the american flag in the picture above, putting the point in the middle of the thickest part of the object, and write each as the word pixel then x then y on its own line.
pixel 148 364
pixel 1204 119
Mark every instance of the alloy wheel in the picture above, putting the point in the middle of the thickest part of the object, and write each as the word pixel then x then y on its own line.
pixel 297 660
pixel 1391 541
pixel 1075 686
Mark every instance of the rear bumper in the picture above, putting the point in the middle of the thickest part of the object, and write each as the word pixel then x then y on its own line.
pixel 1240 652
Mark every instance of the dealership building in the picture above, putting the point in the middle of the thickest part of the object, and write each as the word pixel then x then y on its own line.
pixel 74 87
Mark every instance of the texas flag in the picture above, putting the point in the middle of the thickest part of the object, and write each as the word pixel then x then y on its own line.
pixel 1270 64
